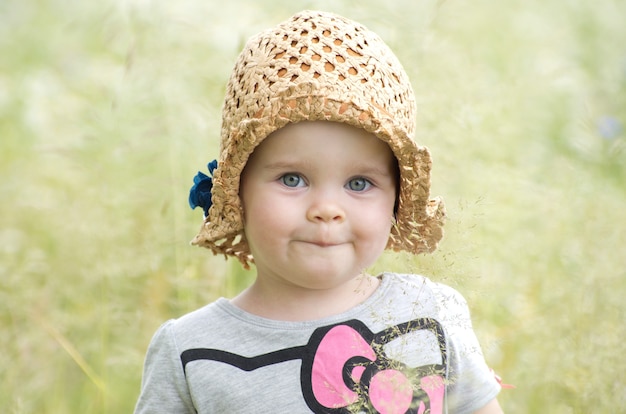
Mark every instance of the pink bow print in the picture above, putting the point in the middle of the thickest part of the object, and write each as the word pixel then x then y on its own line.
pixel 346 368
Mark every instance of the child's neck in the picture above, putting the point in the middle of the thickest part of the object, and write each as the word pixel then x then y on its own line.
pixel 298 304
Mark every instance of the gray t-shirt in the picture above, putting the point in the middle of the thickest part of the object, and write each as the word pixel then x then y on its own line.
pixel 408 348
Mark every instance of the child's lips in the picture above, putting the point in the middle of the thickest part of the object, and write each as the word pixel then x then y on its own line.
pixel 325 244
pixel 322 243
pixel 324 238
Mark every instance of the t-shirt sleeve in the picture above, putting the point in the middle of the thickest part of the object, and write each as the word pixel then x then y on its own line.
pixel 472 383
pixel 163 387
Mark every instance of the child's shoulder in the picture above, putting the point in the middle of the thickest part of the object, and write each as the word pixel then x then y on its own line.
pixel 420 282
pixel 213 314
pixel 442 296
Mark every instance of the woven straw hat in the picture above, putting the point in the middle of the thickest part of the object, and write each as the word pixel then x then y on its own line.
pixel 320 66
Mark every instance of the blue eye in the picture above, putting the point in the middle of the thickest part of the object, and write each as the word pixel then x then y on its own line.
pixel 358 184
pixel 291 180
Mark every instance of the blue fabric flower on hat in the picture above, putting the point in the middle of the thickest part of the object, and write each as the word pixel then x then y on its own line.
pixel 200 193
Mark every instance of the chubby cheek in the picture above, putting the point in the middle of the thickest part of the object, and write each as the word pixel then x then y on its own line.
pixel 374 225
pixel 380 235
pixel 264 220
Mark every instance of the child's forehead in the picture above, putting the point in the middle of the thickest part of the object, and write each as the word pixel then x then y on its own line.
pixel 324 135
pixel 312 130
pixel 330 143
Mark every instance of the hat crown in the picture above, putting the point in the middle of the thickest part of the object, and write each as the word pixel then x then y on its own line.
pixel 320 54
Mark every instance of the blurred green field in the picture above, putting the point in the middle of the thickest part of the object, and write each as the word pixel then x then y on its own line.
pixel 108 109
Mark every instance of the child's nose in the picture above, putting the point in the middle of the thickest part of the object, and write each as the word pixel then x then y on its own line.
pixel 326 210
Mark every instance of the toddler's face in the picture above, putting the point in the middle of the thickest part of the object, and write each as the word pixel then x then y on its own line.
pixel 318 202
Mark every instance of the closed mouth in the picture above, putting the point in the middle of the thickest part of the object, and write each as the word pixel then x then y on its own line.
pixel 320 243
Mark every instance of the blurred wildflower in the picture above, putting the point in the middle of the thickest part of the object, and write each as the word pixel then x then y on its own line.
pixel 200 192
pixel 609 127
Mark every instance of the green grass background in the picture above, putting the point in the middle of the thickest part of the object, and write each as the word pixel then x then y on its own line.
pixel 108 108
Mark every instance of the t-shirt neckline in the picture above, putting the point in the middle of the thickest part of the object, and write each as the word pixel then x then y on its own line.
pixel 231 310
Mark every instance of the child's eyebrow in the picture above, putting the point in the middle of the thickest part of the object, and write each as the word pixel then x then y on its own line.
pixel 287 165
pixel 369 169
pixel 354 169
